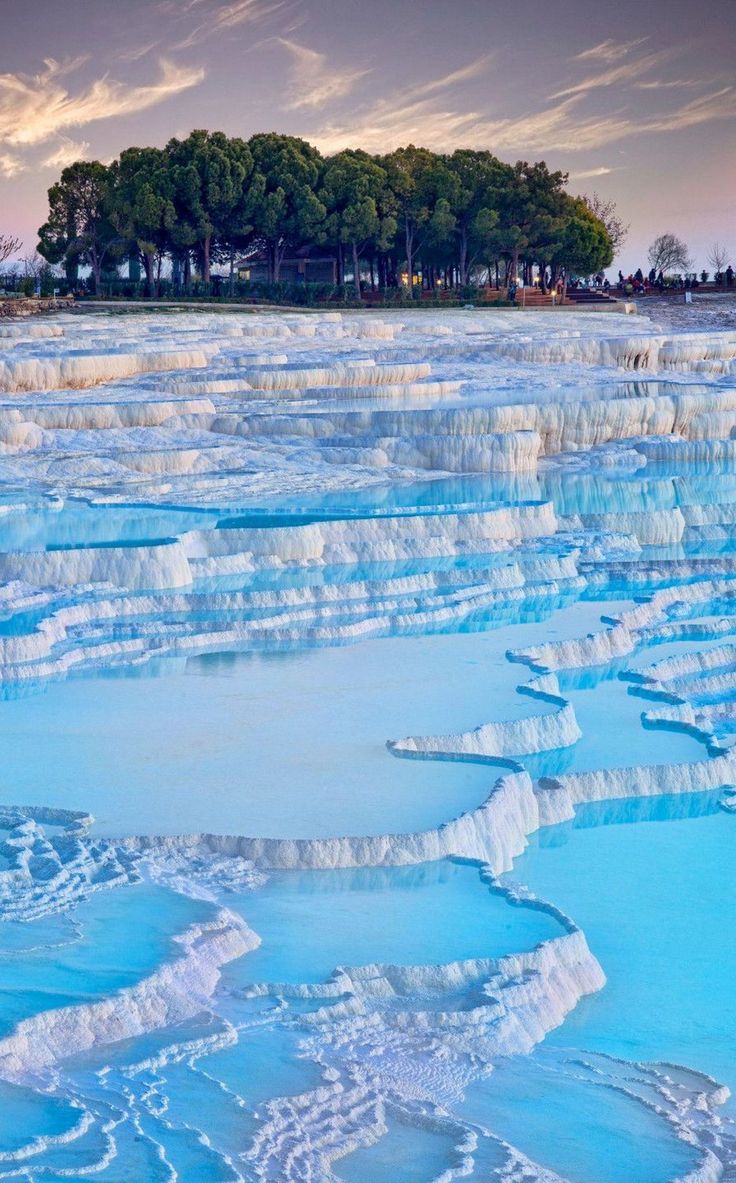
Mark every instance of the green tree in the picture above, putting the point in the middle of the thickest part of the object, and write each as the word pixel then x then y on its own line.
pixel 424 190
pixel 585 246
pixel 481 182
pixel 532 209
pixel 142 208
pixel 209 175
pixel 79 226
pixel 355 195
pixel 287 213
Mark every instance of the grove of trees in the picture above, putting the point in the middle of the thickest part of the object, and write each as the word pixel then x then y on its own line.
pixel 210 200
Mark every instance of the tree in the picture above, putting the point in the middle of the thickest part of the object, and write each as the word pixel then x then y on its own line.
pixel 605 211
pixel 287 213
pixel 585 245
pixel 481 178
pixel 669 253
pixel 8 246
pixel 79 228
pixel 209 174
pixel 357 202
pixel 718 257
pixel 142 208
pixel 420 181
pixel 532 209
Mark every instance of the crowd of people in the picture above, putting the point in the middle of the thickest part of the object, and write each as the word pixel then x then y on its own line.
pixel 639 284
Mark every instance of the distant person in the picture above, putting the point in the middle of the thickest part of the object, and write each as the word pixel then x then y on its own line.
pixel 729 276
pixel 512 293
pixel 639 275
pixel 660 282
pixel 620 279
pixel 653 276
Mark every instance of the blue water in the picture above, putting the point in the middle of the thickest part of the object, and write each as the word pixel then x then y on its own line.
pixel 583 1131
pixel 27 1115
pixel 85 964
pixel 312 922
pixel 657 900
pixel 208 723
pixel 417 1149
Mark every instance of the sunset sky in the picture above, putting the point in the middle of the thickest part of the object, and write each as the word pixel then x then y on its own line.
pixel 636 100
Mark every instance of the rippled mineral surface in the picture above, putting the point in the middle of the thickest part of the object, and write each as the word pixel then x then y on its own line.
pixel 368 702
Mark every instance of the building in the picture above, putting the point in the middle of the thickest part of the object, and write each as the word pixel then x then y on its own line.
pixel 306 265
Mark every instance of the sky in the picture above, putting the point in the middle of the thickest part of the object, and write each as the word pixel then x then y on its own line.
pixel 636 99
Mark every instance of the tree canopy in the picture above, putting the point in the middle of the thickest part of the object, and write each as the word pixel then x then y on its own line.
pixel 80 228
pixel 410 214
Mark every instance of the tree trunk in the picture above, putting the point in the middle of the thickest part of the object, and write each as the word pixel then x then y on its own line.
pixel 232 272
pixel 206 245
pixel 148 268
pixel 356 270
pixel 96 272
pixel 409 238
pixel 464 259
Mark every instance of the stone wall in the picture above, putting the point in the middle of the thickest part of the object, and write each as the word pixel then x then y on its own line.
pixel 16 306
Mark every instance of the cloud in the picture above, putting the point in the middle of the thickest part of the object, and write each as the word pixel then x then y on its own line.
pixel 412 114
pixel 671 84
pixel 10 165
pixel 33 109
pixel 66 153
pixel 626 72
pixel 609 51
pixel 138 52
pixel 473 70
pixel 315 83
pixel 431 115
pixel 225 16
pixel 720 104
pixel 588 173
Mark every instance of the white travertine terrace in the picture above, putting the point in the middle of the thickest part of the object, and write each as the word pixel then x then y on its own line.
pixel 205 411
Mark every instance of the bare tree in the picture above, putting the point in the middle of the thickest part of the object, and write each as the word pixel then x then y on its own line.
pixel 33 265
pixel 8 246
pixel 718 257
pixel 669 253
pixel 605 211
